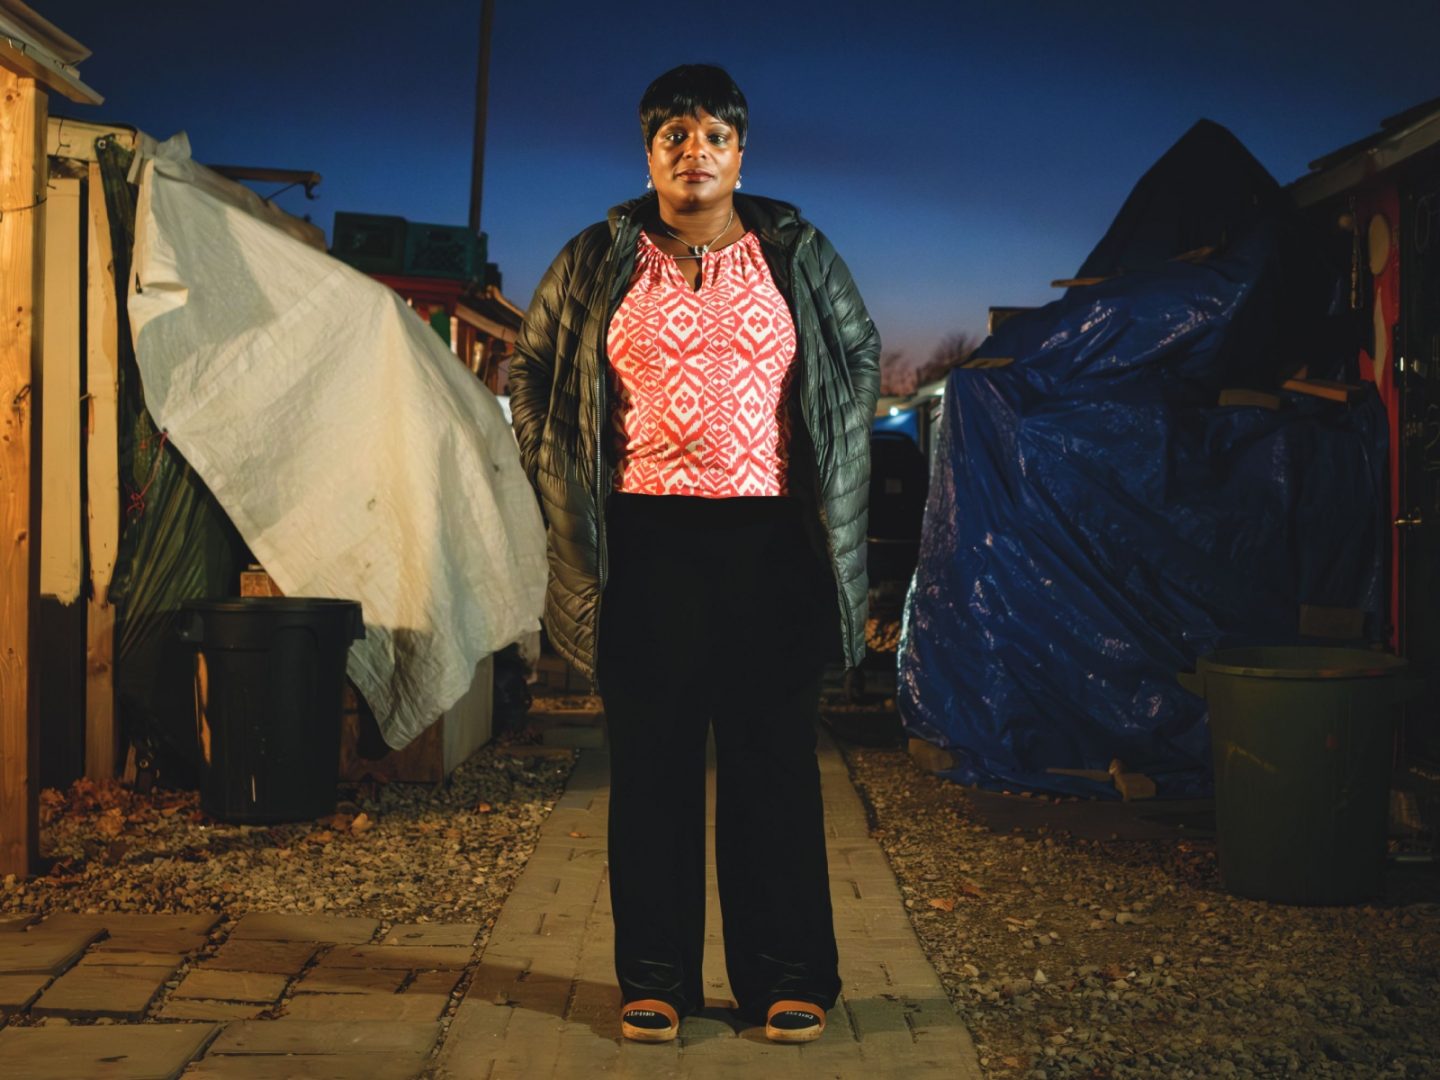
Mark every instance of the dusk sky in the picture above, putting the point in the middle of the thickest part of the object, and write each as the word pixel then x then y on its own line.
pixel 959 155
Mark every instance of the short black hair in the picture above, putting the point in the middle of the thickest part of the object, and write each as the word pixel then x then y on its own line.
pixel 686 91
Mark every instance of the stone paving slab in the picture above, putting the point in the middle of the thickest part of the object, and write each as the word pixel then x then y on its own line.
pixel 130 958
pixel 188 1009
pixel 125 932
pixel 259 988
pixel 131 1052
pixel 543 1003
pixel 570 729
pixel 534 750
pixel 43 951
pixel 164 942
pixel 306 1067
pixel 434 982
pixel 122 993
pixel 326 1037
pixel 403 957
pixel 345 980
pixel 118 923
pixel 494 978
pixel 18 992
pixel 411 1007
pixel 432 934
pixel 329 929
pixel 257 954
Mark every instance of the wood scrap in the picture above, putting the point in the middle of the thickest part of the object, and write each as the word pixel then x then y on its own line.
pixel 1240 395
pixel 1071 282
pixel 930 757
pixel 1101 776
pixel 1195 255
pixel 1324 388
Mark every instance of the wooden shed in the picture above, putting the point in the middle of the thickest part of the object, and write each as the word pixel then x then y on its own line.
pixel 1378 200
pixel 37 60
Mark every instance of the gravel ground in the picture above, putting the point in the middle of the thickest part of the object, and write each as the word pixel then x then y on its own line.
pixel 1078 958
pixel 1066 957
pixel 396 852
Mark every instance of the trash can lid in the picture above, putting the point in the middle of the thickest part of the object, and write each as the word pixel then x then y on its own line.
pixel 251 619
pixel 271 604
pixel 1302 662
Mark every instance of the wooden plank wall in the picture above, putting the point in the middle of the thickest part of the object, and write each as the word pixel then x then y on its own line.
pixel 59 660
pixel 23 107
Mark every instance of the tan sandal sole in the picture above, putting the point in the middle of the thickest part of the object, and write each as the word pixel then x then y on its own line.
pixel 650 1035
pixel 795 1035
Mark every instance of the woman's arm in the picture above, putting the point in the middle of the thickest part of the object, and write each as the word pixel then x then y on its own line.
pixel 858 335
pixel 532 369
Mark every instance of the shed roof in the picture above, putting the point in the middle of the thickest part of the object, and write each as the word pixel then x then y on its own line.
pixel 38 49
pixel 1400 138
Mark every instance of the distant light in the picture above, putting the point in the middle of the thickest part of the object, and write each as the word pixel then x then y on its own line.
pixel 894 410
pixel 940 392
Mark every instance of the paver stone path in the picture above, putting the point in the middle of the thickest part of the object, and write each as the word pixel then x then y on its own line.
pixel 544 1003
pixel 316 997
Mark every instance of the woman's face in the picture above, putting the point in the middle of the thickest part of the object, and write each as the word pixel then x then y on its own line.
pixel 694 161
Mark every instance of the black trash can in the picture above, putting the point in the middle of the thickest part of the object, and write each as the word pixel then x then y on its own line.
pixel 899 486
pixel 1302 739
pixel 269 689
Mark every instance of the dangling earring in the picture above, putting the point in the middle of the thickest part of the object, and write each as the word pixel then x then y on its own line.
pixel 738 178
pixel 649 183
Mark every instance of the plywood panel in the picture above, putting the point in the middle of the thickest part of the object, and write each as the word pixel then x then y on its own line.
pixel 102 468
pixel 60 558
pixel 468 724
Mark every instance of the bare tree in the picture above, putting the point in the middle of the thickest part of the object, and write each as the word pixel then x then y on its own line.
pixel 954 349
pixel 897 376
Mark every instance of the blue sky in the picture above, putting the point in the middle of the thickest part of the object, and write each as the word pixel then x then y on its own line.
pixel 960 155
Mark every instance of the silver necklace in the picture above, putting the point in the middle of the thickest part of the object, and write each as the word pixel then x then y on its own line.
pixel 698 251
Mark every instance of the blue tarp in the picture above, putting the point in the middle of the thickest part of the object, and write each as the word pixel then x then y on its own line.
pixel 905 421
pixel 1096 522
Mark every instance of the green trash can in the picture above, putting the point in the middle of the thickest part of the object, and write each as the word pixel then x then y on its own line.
pixel 269 692
pixel 1302 742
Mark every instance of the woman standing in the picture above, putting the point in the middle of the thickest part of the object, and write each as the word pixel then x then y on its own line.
pixel 692 391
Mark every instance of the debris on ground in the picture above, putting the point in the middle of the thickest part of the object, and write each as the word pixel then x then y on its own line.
pixel 1072 957
pixel 402 852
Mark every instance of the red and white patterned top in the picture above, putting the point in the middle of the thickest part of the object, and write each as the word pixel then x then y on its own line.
pixel 699 376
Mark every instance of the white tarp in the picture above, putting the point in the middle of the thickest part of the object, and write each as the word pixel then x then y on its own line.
pixel 355 454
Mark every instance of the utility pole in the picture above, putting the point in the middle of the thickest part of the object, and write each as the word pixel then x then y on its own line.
pixel 482 86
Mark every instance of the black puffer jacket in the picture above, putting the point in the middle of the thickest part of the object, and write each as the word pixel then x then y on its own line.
pixel 558 397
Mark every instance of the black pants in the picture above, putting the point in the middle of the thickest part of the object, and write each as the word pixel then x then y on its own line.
pixel 716 610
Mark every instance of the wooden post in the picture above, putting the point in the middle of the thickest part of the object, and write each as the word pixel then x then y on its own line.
pixel 23 107
pixel 102 457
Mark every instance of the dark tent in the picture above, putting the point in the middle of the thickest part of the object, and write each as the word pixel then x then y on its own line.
pixel 1097 520
pixel 1204 192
